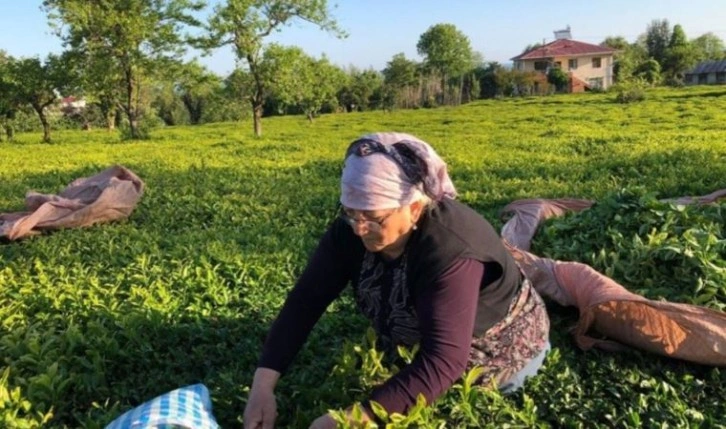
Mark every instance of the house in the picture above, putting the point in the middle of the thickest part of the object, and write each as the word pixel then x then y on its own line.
pixel 588 66
pixel 72 105
pixel 707 72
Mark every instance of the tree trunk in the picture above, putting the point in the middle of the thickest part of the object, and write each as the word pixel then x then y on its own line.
pixel 10 131
pixel 258 99
pixel 257 108
pixel 131 110
pixel 110 119
pixel 134 123
pixel 310 117
pixel 43 120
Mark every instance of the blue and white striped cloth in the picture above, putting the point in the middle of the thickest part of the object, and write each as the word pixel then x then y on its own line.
pixel 188 408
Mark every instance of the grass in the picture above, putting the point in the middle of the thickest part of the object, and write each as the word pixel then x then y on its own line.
pixel 96 320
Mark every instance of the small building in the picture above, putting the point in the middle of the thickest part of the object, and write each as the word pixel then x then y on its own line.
pixel 707 72
pixel 588 66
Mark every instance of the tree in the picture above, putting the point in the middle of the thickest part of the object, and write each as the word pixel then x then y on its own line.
pixel 245 24
pixel 531 47
pixel 488 82
pixel 8 101
pixel 358 92
pixel 708 46
pixel 37 84
pixel 557 77
pixel 127 37
pixel 657 37
pixel 399 76
pixel 101 82
pixel 615 42
pixel 680 56
pixel 649 71
pixel 196 86
pixel 301 81
pixel 400 72
pixel 446 50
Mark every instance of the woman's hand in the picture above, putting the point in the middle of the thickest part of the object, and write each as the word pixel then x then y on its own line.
pixel 261 409
pixel 324 422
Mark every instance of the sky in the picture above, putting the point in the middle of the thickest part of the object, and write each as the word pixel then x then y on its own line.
pixel 379 29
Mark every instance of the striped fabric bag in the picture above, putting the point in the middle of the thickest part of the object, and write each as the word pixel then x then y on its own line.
pixel 185 408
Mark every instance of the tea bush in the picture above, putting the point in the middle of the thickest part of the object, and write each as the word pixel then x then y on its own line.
pixel 94 321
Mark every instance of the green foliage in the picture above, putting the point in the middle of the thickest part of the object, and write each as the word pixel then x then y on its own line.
pixel 558 77
pixel 245 24
pixel 631 91
pixel 657 37
pixel 660 249
pixel 649 72
pixel 97 320
pixel 400 72
pixel 446 49
pixel 122 44
pixel 709 46
pixel 301 81
pixel 360 89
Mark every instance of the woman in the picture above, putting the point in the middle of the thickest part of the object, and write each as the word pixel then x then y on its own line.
pixel 424 268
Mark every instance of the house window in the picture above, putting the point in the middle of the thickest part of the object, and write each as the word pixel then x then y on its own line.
pixel 572 64
pixel 721 77
pixel 540 65
pixel 596 62
pixel 702 78
pixel 595 82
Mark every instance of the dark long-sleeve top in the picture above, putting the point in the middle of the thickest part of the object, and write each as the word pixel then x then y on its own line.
pixel 461 282
pixel 446 309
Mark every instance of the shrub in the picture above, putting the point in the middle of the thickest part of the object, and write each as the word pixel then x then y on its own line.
pixel 630 91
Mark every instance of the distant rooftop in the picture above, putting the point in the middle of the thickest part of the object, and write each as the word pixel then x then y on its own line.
pixel 563 48
pixel 709 67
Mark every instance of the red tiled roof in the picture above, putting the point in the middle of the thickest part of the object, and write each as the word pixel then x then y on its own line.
pixel 563 48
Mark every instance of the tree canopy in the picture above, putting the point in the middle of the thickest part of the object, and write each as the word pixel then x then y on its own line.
pixel 244 24
pixel 124 40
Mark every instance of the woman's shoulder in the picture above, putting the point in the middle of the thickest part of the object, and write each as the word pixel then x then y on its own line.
pixel 453 216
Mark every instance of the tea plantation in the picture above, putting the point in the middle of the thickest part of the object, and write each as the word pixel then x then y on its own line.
pixel 94 321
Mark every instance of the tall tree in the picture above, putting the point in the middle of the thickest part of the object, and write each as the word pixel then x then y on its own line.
pixel 359 90
pixel 628 56
pixel 446 50
pixel 657 37
pixel 196 87
pixel 399 77
pixel 8 101
pixel 680 55
pixel 400 72
pixel 244 24
pixel 709 46
pixel 615 42
pixel 129 35
pixel 301 81
pixel 37 84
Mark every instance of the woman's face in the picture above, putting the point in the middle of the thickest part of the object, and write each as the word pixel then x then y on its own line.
pixel 383 230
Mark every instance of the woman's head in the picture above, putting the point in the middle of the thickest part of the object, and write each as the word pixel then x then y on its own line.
pixel 388 180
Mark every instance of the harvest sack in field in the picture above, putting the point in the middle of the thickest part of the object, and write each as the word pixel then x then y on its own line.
pixel 109 195
pixel 526 215
pixel 688 332
pixel 682 331
pixel 185 408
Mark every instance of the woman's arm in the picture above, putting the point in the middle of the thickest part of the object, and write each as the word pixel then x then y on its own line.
pixel 325 276
pixel 446 310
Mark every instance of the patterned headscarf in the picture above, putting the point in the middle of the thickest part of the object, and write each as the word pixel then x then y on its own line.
pixel 390 170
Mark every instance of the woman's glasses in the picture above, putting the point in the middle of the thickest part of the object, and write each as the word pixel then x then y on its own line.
pixel 372 225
